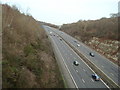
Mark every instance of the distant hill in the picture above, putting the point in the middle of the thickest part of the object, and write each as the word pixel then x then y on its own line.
pixel 49 24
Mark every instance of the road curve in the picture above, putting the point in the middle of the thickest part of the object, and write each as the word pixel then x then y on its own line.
pixel 109 68
pixel 81 74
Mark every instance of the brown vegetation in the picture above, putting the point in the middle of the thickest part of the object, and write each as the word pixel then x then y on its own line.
pixel 105 29
pixel 28 60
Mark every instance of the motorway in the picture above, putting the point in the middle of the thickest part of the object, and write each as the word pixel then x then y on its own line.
pixel 105 65
pixel 81 74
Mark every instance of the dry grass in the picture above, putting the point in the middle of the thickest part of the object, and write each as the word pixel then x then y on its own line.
pixel 106 28
pixel 28 60
pixel 103 29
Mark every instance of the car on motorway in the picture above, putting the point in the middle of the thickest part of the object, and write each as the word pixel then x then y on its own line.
pixel 61 39
pixel 92 54
pixel 75 41
pixel 95 77
pixel 54 34
pixel 76 63
pixel 50 32
pixel 78 45
pixel 57 35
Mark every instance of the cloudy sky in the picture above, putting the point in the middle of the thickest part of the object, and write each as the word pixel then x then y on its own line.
pixel 66 11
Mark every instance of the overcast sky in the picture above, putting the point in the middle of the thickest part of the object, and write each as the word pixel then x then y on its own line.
pixel 66 11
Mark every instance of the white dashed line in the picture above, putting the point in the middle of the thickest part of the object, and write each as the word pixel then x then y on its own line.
pixel 84 70
pixel 112 74
pixel 74 58
pixel 76 70
pixel 86 64
pixel 83 80
pixel 103 66
pixel 66 65
pixel 92 80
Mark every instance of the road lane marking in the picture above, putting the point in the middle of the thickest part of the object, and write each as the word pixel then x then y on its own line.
pixel 89 48
pixel 66 65
pixel 74 58
pixel 86 64
pixel 76 70
pixel 102 66
pixel 112 74
pixel 92 80
pixel 94 64
pixel 83 80
pixel 83 61
pixel 84 70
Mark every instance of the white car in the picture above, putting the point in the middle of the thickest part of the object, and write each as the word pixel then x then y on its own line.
pixel 50 32
pixel 91 54
pixel 78 45
pixel 95 77
pixel 76 63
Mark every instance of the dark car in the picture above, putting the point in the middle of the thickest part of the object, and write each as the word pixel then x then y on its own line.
pixel 95 77
pixel 76 63
pixel 91 54
pixel 61 39
pixel 75 41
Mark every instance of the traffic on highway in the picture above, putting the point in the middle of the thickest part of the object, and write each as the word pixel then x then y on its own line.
pixel 108 68
pixel 82 75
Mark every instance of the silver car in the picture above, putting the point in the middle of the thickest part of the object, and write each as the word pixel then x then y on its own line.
pixel 95 77
pixel 76 63
pixel 91 54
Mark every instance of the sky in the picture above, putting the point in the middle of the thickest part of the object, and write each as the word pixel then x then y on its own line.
pixel 66 11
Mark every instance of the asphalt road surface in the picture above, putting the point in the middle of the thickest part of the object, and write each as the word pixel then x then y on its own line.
pixel 81 74
pixel 108 67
